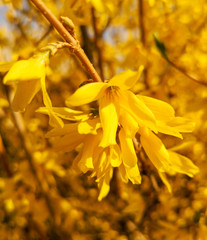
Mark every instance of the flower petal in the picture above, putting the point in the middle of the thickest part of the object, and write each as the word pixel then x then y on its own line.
pixel 127 148
pixel 165 181
pixel 65 113
pixel 86 94
pixel 67 129
pixel 133 174
pixel 182 164
pixel 109 121
pixel 161 110
pixel 166 129
pixel 54 121
pixel 24 94
pixel 86 160
pixel 129 124
pixel 127 79
pixel 137 109
pixel 104 184
pixel 182 124
pixel 69 142
pixel 115 156
pixel 90 126
pixel 26 70
pixel 155 150
pixel 123 174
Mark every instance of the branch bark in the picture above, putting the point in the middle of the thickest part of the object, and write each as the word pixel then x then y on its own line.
pixel 142 35
pixel 78 51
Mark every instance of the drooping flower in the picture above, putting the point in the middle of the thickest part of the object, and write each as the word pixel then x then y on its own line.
pixel 147 116
pixel 166 161
pixel 115 101
pixel 29 77
pixel 88 133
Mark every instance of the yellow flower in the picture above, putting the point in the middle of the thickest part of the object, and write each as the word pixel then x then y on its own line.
pixel 29 78
pixel 166 121
pixel 165 160
pixel 116 103
pixel 122 156
pixel 88 134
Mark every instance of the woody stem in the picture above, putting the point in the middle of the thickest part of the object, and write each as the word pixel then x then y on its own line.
pixel 68 38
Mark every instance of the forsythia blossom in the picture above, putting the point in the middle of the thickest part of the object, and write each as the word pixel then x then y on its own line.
pixel 107 140
pixel 29 77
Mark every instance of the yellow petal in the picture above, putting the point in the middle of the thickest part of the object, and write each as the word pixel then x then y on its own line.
pixel 67 129
pixel 127 148
pixel 24 94
pixel 182 164
pixel 109 121
pixel 127 79
pixel 69 142
pixel 161 110
pixel 54 121
pixel 183 145
pixel 165 181
pixel 182 124
pixel 123 174
pixel 166 129
pixel 65 113
pixel 86 160
pixel 137 109
pixel 129 124
pixel 86 94
pixel 155 150
pixel 103 164
pixel 89 126
pixel 26 70
pixel 104 184
pixel 133 174
pixel 115 156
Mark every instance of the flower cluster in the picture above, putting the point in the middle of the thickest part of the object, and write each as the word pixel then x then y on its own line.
pixel 107 136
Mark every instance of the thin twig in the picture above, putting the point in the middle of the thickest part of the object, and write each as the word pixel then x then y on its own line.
pixel 97 42
pixel 183 71
pixel 44 35
pixel 78 51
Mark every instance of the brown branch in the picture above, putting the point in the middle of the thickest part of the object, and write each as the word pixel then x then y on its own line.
pixel 97 42
pixel 4 159
pixel 142 35
pixel 141 21
pixel 86 45
pixel 78 51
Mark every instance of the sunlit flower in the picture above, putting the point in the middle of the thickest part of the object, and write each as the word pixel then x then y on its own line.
pixel 116 103
pixel 29 78
pixel 86 134
pixel 124 113
pixel 164 160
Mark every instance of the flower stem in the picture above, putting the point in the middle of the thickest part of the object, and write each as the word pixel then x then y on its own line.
pixel 68 38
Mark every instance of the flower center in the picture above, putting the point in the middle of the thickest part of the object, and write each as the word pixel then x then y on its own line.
pixel 112 91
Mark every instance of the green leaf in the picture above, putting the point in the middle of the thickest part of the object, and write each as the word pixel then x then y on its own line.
pixel 161 46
